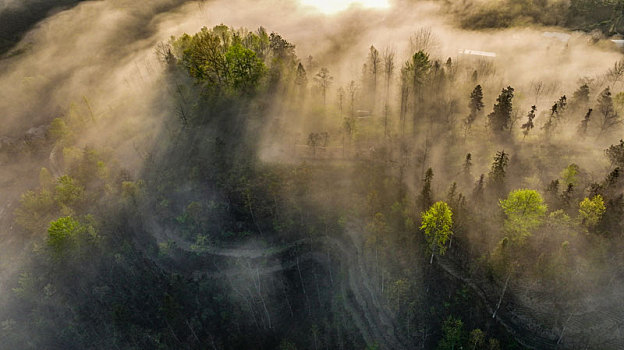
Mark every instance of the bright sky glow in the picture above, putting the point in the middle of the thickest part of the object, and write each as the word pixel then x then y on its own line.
pixel 334 6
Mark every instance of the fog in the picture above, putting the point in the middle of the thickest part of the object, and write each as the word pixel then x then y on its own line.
pixel 100 65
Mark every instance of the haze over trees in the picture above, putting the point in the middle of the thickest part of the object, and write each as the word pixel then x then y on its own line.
pixel 414 200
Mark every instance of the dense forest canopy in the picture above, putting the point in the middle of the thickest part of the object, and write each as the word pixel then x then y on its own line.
pixel 384 179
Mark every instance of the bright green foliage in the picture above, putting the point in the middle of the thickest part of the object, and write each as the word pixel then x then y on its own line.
pixel 525 211
pixel 437 224
pixel 67 233
pixel 67 191
pixel 591 210
pixel 452 329
pixel 244 68
pixel 61 232
pixel 224 60
pixel 569 174
pixel 500 118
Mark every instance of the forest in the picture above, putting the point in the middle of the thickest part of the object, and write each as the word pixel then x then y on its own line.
pixel 185 175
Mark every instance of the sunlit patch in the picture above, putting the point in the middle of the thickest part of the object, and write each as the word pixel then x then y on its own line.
pixel 334 6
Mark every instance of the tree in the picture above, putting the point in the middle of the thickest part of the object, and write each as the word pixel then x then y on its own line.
pixel 496 177
pixel 526 127
pixel 67 191
pixel 61 231
pixel 388 65
pixel 615 153
pixel 580 98
pixel 374 63
pixel 591 211
pixel 467 168
pixel 323 80
pixel 500 118
pixel 245 69
pixel 585 123
pixel 416 71
pixel 452 334
pixel 569 174
pixel 477 339
pixel 610 118
pixel 426 196
pixel 524 210
pixel 477 192
pixel 437 224
pixel 301 79
pixel 352 90
pixel 556 112
pixel 316 139
pixel 475 105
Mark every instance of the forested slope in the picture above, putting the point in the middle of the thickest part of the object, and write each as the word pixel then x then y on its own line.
pixel 423 203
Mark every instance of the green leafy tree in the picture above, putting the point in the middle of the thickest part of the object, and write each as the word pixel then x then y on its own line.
pixel 591 211
pixel 569 175
pixel 245 69
pixel 476 339
pixel 437 224
pixel 452 334
pixel 61 233
pixel 524 211
pixel 67 191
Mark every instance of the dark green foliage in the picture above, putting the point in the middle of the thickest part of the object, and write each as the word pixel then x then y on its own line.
pixel 426 194
pixel 585 123
pixel 529 125
pixel 475 105
pixel 615 153
pixel 452 334
pixel 496 176
pixel 500 118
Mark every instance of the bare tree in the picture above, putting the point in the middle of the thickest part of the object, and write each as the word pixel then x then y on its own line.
pixel 423 40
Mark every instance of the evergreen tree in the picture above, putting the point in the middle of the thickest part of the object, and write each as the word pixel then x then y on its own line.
pixel 585 123
pixel 475 105
pixel 615 153
pixel 496 177
pixel 477 193
pixel 526 127
pixel 426 195
pixel 580 98
pixel 500 118
pixel 467 169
